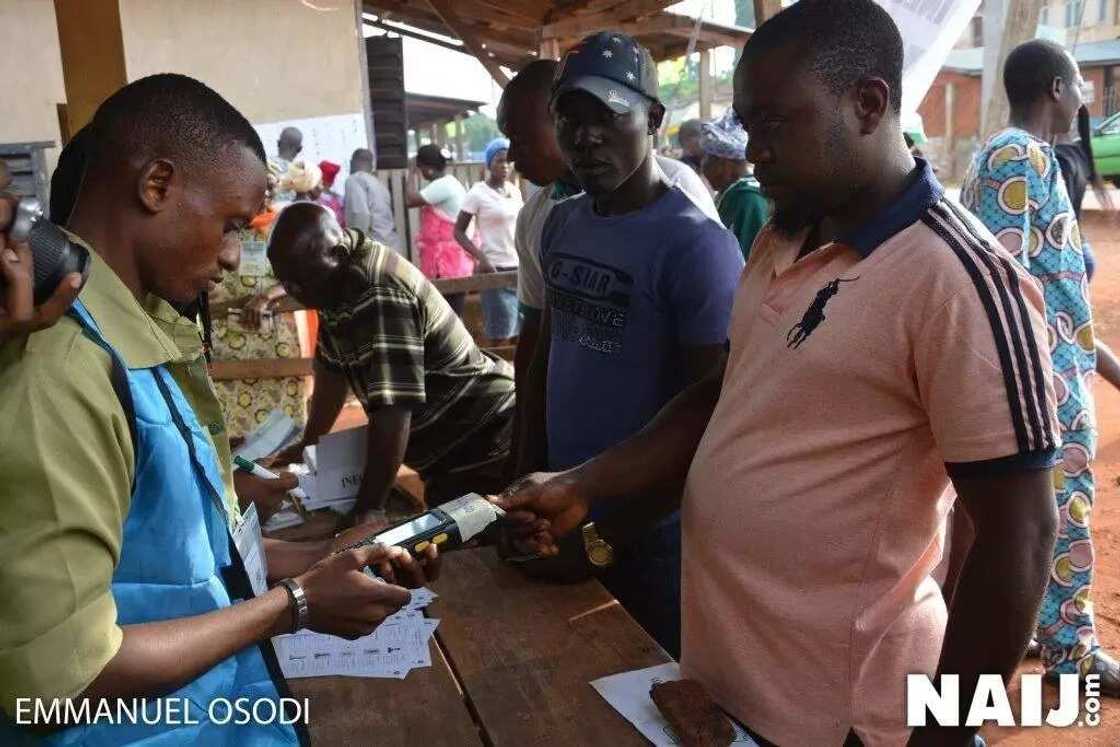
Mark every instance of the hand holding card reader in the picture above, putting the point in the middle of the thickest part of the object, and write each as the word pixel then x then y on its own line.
pixel 448 527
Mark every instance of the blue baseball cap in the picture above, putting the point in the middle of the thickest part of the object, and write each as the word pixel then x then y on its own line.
pixel 611 66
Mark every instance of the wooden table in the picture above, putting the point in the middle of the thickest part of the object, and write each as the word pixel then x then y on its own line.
pixel 511 663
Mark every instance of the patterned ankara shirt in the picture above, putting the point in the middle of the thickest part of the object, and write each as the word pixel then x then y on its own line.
pixel 400 343
pixel 1015 187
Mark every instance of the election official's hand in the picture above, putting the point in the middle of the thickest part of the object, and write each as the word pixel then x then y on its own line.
pixel 342 600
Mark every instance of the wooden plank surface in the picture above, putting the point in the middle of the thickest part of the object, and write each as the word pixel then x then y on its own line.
pixel 525 651
pixel 425 708
pixel 260 368
pixel 469 284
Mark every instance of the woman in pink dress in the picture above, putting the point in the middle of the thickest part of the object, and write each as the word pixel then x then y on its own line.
pixel 439 203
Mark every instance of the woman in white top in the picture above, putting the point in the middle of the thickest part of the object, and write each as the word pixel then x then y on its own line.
pixel 496 203
pixel 439 203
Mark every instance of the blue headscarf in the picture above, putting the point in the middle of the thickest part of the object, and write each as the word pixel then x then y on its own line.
pixel 493 148
pixel 724 137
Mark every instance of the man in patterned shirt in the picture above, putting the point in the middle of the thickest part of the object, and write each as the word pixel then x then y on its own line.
pixel 435 401
pixel 1015 186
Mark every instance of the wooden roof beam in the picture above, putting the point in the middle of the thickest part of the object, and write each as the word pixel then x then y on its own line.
pixel 529 10
pixel 472 42
pixel 581 24
pixel 713 37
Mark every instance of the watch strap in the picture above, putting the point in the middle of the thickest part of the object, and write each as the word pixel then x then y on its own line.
pixel 301 613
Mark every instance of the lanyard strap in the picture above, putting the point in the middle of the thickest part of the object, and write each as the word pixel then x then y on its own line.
pixel 185 432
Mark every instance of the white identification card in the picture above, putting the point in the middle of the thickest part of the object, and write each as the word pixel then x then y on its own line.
pixel 254 258
pixel 247 537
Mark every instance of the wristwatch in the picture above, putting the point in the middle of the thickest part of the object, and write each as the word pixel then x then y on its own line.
pixel 599 551
pixel 301 613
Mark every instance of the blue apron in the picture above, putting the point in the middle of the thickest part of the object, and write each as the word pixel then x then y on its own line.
pixel 177 560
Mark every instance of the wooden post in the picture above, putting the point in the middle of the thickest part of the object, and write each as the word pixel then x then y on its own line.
pixel 992 37
pixel 705 84
pixel 1019 25
pixel 92 49
pixel 764 9
pixel 950 141
pixel 363 64
pixel 433 134
pixel 549 49
pixel 459 153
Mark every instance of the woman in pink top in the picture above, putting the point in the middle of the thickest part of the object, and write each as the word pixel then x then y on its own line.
pixel 440 255
pixel 326 196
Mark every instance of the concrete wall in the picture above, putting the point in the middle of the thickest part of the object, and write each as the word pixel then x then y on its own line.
pixel 31 71
pixel 951 155
pixel 966 105
pixel 276 60
pixel 273 59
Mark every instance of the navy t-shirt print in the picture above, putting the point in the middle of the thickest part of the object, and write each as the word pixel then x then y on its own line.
pixel 589 301
pixel 625 295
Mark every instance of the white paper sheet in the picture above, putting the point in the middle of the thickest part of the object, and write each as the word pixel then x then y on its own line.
pixel 269 437
pixel 628 693
pixel 399 645
pixel 472 513
pixel 247 539
pixel 286 517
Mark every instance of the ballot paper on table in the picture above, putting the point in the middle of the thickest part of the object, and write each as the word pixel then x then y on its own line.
pixel 628 693
pixel 399 645
pixel 269 437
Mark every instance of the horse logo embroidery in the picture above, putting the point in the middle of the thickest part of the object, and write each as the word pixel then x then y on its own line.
pixel 814 315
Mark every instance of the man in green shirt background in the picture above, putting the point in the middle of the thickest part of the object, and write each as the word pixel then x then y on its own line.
pixel 742 208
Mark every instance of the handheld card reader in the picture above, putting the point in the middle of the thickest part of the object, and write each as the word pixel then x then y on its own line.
pixel 449 526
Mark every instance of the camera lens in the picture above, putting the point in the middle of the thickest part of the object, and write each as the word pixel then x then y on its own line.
pixel 54 254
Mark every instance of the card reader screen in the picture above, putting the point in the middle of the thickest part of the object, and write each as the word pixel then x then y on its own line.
pixel 404 531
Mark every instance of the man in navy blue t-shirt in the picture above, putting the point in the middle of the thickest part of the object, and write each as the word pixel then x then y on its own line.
pixel 640 284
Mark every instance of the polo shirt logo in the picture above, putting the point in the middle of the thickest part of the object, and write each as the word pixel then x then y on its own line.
pixel 814 315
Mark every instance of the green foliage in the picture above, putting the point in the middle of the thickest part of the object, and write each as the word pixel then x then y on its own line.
pixel 478 130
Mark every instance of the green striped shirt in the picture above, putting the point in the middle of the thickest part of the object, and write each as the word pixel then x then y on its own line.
pixel 400 343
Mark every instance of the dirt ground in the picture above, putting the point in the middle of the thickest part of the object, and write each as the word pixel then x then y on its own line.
pixel 1104 234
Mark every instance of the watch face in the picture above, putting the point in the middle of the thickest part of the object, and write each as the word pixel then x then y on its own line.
pixel 600 553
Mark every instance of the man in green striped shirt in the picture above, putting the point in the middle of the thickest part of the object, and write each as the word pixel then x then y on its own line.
pixel 435 401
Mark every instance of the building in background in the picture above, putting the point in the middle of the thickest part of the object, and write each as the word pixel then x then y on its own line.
pixel 951 110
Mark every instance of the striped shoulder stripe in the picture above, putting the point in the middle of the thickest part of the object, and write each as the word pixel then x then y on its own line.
pixel 1010 322
pixel 1002 261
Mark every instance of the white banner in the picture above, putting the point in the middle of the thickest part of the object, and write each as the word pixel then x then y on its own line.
pixel 929 29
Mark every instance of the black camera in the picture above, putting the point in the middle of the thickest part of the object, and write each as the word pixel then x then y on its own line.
pixel 54 254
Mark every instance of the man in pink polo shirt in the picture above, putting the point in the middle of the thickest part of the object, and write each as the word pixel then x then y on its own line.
pixel 882 345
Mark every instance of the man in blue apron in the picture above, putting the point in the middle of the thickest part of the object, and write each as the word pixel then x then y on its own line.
pixel 118 514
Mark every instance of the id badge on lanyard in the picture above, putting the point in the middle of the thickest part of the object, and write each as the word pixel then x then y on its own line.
pixel 250 545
